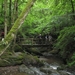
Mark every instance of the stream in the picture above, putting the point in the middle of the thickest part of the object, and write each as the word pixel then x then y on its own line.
pixel 52 66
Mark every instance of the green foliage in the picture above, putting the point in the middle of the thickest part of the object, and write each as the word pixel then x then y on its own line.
pixel 47 16
pixel 37 19
pixel 9 59
pixel 19 21
pixel 65 41
pixel 71 62
pixel 55 17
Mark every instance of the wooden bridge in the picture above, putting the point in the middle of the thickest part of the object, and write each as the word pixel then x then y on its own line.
pixel 33 42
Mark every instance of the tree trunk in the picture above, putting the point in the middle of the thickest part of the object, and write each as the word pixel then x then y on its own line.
pixel 10 21
pixel 5 21
pixel 72 6
pixel 10 36
pixel 15 9
pixel 2 15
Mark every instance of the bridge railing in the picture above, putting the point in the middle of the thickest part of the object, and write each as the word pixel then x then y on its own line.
pixel 32 41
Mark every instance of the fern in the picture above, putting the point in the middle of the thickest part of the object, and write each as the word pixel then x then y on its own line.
pixel 66 40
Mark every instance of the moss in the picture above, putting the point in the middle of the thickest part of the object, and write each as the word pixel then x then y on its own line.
pixel 16 59
pixel 34 51
pixel 17 48
pixel 11 59
pixel 32 60
pixel 6 55
pixel 4 63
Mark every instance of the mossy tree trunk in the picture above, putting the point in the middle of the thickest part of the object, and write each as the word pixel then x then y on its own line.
pixel 11 35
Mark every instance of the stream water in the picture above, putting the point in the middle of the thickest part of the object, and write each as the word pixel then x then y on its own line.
pixel 52 66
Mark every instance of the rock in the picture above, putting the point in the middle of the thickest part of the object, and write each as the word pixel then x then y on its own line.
pixel 47 54
pixel 53 52
pixel 46 70
pixel 54 74
pixel 60 68
pixel 62 72
pixel 10 59
pixel 32 60
pixel 25 69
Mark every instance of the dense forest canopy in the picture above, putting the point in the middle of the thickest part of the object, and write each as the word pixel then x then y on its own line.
pixel 55 17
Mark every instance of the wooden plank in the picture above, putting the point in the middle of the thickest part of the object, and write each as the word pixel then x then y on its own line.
pixel 34 45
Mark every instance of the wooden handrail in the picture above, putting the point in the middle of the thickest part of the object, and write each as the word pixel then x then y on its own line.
pixel 32 41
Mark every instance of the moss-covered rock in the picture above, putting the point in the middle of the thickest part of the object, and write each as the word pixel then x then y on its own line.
pixel 9 59
pixel 18 48
pixel 32 60
pixel 4 62
pixel 34 51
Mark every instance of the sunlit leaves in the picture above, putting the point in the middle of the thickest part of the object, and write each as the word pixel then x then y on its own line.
pixel 46 15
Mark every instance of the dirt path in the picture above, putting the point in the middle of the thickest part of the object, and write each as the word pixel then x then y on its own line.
pixel 9 69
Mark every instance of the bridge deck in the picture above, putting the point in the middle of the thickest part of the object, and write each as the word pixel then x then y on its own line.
pixel 31 42
pixel 35 45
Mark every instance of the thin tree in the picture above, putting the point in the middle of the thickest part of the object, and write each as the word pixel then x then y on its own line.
pixel 10 21
pixel 16 9
pixel 5 16
pixel 11 35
